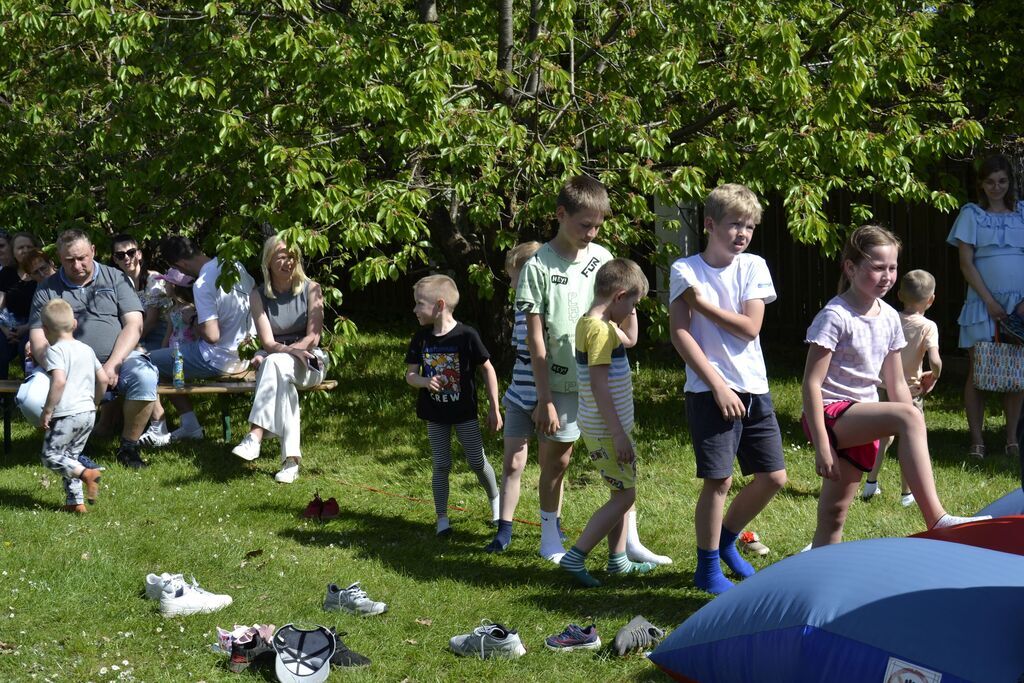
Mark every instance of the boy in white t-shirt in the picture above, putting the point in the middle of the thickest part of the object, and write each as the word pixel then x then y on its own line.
pixel 77 384
pixel 716 308
pixel 917 292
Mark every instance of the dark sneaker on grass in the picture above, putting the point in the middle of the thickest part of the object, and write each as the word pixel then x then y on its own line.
pixel 638 634
pixel 574 638
pixel 90 464
pixel 488 640
pixel 247 648
pixel 344 657
pixel 129 457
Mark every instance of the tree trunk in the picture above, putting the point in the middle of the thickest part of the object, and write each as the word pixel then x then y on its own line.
pixel 428 11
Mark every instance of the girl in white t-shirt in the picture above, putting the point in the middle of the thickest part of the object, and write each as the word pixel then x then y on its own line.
pixel 853 341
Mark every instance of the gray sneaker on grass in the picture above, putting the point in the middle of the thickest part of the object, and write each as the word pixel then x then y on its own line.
pixel 638 634
pixel 352 600
pixel 488 640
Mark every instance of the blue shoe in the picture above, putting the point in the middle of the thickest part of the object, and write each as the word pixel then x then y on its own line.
pixel 90 464
pixel 574 638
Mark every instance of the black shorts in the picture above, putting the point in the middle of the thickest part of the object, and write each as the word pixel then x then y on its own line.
pixel 756 440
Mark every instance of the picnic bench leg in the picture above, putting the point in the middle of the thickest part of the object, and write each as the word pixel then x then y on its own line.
pixel 225 415
pixel 8 402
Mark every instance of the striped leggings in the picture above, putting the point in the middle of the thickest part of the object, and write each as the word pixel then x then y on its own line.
pixel 440 436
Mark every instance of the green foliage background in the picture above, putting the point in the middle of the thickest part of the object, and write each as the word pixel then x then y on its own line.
pixel 382 140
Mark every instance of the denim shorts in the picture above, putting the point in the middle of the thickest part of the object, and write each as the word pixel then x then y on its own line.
pixel 518 421
pixel 138 378
pixel 755 440
pixel 195 366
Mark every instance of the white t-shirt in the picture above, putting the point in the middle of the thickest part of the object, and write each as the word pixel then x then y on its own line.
pixel 230 309
pixel 79 364
pixel 859 344
pixel 738 361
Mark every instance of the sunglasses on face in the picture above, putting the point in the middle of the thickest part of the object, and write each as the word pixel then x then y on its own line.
pixel 126 254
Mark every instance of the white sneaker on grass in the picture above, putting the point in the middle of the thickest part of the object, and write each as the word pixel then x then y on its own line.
pixel 907 499
pixel 871 489
pixel 488 640
pixel 185 433
pixel 248 448
pixel 352 600
pixel 289 472
pixel 154 438
pixel 190 598
pixel 155 584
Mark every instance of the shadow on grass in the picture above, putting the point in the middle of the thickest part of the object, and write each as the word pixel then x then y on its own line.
pixel 410 548
pixel 19 499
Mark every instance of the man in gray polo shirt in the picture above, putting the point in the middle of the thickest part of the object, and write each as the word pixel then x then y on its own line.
pixel 109 315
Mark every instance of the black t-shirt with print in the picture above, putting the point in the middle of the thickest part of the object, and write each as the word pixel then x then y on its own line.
pixel 454 357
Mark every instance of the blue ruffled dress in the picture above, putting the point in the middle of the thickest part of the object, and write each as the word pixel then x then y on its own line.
pixel 998 240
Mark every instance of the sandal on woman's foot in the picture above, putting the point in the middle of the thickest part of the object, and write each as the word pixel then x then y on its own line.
pixel 977 451
pixel 1012 450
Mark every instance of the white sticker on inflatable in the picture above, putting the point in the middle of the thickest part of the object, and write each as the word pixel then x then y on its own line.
pixel 899 671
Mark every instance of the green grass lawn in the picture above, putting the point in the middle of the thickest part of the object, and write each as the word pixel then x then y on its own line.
pixel 71 602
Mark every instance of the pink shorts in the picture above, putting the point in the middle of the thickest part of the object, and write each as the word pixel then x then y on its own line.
pixel 863 456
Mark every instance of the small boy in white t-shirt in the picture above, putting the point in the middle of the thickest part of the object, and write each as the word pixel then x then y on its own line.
pixel 77 383
pixel 917 292
pixel 716 308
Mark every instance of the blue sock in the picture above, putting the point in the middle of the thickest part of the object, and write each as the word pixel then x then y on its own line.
pixel 502 538
pixel 731 555
pixel 709 576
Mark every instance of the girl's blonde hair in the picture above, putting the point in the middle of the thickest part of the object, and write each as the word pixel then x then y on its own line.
pixel 518 255
pixel 856 249
pixel 298 274
pixel 994 164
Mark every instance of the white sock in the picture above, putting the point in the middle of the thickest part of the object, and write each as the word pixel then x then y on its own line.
pixel 495 511
pixel 948 520
pixel 550 544
pixel 190 421
pixel 635 550
pixel 158 426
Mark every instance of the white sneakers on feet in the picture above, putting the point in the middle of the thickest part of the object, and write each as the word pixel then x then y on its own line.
pixel 248 448
pixel 184 433
pixel 155 438
pixel 289 472
pixel 907 499
pixel 871 489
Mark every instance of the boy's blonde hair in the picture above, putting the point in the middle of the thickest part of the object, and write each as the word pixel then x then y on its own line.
pixel 518 255
pixel 438 287
pixel 617 275
pixel 584 193
pixel 916 287
pixel 732 198
pixel 57 316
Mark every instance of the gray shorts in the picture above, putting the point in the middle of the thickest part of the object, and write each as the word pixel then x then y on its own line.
pixel 566 404
pixel 756 440
pixel 518 421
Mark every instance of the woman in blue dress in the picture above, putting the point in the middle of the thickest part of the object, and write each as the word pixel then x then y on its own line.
pixel 990 238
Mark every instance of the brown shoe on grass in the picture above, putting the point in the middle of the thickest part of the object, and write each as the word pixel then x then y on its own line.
pixel 77 509
pixel 91 479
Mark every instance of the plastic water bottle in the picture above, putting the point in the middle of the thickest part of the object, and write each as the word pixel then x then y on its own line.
pixel 179 367
pixel 30 366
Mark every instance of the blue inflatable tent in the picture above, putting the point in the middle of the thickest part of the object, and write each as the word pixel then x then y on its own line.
pixel 887 610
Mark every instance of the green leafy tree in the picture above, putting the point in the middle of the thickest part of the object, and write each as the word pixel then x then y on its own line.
pixel 384 136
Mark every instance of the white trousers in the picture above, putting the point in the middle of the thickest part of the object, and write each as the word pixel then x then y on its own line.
pixel 276 406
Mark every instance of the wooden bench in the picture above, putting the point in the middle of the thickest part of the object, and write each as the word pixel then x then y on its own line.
pixel 9 387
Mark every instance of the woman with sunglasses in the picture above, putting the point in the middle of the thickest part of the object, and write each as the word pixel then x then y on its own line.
pixel 17 287
pixel 129 258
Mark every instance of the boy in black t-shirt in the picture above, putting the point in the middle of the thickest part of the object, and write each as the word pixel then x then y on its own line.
pixel 442 360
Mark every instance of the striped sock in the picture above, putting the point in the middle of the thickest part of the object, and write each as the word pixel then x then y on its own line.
pixel 619 563
pixel 573 562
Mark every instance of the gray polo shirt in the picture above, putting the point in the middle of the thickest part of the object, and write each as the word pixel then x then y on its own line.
pixel 98 305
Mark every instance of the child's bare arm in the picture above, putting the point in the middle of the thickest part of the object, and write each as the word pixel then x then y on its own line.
pixel 894 379
pixel 102 382
pixel 745 325
pixel 413 378
pixel 630 331
pixel 826 461
pixel 58 380
pixel 689 350
pixel 929 378
pixel 491 383
pixel 606 407
pixel 545 415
